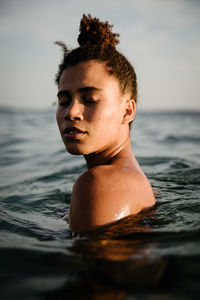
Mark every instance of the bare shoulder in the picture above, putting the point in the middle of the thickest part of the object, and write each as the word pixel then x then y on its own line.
pixel 105 194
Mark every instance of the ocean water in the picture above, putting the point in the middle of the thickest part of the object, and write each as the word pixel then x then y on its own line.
pixel 154 255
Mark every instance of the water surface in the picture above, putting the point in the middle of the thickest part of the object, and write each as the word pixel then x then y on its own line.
pixel 155 255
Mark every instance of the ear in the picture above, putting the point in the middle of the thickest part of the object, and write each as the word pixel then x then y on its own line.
pixel 130 110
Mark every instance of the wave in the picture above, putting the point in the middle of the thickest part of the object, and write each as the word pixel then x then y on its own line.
pixel 181 139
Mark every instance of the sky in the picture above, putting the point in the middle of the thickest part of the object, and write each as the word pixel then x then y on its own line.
pixel 159 37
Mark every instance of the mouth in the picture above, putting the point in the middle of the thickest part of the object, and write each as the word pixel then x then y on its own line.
pixel 73 133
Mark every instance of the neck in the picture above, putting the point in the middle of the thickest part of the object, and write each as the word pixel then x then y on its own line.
pixel 106 157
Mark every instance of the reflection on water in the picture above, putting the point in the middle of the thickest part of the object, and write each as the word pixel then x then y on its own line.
pixel 117 257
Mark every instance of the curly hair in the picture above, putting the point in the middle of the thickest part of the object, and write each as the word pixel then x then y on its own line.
pixel 97 42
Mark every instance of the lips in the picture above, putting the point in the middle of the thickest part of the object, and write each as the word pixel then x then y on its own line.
pixel 73 133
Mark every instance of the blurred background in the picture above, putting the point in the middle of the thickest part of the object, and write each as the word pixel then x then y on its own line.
pixel 160 38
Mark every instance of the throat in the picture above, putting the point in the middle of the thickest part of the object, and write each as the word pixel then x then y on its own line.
pixel 108 156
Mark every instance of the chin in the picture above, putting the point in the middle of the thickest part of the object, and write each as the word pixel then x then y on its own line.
pixel 76 150
pixel 73 151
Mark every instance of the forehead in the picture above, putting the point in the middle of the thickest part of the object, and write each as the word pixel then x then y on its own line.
pixel 92 73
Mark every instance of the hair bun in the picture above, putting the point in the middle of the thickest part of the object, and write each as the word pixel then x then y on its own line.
pixel 92 31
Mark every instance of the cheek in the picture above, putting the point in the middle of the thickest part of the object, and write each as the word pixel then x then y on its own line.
pixel 102 113
pixel 59 118
pixel 110 116
pixel 98 119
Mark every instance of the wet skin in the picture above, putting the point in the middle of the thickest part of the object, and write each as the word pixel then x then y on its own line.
pixel 93 118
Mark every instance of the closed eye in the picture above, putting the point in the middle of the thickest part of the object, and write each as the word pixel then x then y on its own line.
pixel 64 98
pixel 63 102
pixel 89 100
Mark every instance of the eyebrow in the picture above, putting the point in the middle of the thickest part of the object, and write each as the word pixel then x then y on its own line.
pixel 80 90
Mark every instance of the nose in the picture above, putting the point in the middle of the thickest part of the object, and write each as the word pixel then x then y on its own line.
pixel 74 111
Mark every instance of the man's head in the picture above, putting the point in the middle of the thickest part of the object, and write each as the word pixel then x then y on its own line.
pixel 97 92
pixel 93 115
pixel 97 42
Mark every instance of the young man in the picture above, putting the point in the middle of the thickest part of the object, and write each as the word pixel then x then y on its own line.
pixel 97 94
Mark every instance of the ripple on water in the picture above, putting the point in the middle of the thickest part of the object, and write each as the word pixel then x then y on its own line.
pixel 152 255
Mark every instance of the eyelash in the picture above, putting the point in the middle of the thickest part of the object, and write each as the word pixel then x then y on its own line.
pixel 63 103
pixel 85 100
pixel 89 100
